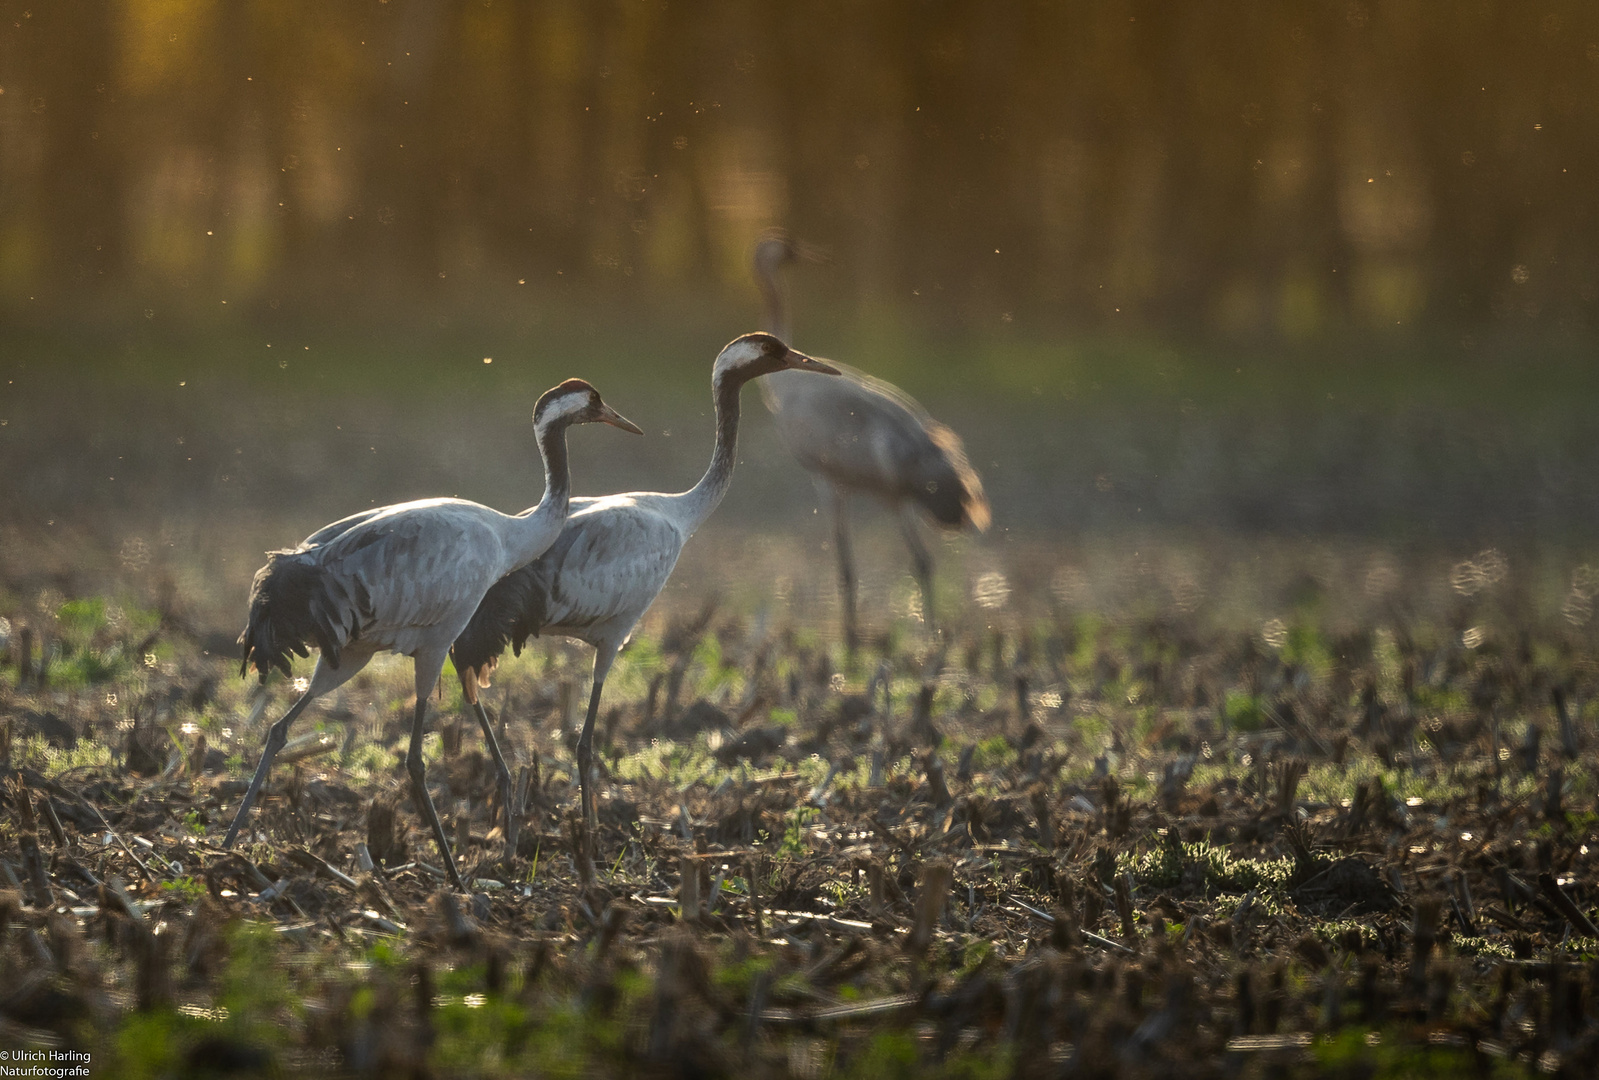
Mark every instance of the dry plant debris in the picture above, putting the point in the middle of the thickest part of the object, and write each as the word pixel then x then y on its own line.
pixel 1081 849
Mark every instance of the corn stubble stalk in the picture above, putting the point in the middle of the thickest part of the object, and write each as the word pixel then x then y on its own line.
pixel 935 782
pixel 23 655
pixel 688 894
pixel 1124 908
pixel 47 810
pixel 754 868
pixel 1424 933
pixel 581 846
pixel 933 890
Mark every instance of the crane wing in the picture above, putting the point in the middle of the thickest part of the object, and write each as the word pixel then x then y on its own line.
pixel 388 576
pixel 328 533
pixel 418 567
pixel 611 561
pixel 868 435
pixel 603 572
pixel 850 429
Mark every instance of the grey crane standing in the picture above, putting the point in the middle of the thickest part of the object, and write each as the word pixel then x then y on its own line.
pixel 860 434
pixel 406 579
pixel 615 555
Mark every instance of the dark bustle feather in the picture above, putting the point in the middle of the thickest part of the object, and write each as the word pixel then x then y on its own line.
pixel 509 613
pixel 947 486
pixel 295 604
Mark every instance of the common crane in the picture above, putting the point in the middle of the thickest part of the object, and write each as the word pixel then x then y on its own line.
pixel 860 434
pixel 404 578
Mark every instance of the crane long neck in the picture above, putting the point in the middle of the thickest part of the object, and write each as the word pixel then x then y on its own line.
pixel 774 320
pixel 702 499
pixel 539 525
pixel 774 311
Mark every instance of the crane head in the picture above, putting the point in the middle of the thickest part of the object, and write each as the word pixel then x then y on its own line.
pixel 752 355
pixel 776 248
pixel 577 402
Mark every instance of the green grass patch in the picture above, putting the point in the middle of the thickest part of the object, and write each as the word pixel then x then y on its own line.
pixel 1166 866
pixel 1242 711
pixel 34 752
pixel 1388 1055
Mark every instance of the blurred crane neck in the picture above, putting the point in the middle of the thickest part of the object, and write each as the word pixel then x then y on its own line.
pixel 774 307
pixel 774 320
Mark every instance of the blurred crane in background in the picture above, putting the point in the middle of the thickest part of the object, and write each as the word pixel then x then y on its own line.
pixel 860 434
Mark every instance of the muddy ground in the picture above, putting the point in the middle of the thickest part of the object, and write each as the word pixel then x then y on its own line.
pixel 1075 843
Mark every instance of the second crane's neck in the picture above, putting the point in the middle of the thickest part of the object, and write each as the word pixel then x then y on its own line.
pixel 774 320
pixel 774 306
pixel 702 499
pixel 537 528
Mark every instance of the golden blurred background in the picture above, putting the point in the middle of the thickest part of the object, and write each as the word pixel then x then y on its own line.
pixel 1215 274
pixel 1283 169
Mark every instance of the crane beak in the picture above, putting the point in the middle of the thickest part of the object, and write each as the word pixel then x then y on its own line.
pixel 810 253
pixel 800 362
pixel 610 416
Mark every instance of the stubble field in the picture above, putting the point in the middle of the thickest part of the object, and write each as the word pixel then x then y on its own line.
pixel 1181 810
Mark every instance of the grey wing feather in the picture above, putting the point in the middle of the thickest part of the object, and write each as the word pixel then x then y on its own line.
pixel 390 577
pixel 338 528
pixel 603 572
pixel 882 390
pixel 417 568
pixel 610 563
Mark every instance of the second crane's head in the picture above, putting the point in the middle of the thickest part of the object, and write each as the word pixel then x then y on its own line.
pixel 576 402
pixel 776 248
pixel 753 355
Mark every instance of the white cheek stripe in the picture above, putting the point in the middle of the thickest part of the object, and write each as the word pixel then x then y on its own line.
pixel 565 405
pixel 734 357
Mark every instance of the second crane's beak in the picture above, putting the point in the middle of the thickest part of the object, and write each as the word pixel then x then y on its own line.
pixel 810 252
pixel 800 362
pixel 610 416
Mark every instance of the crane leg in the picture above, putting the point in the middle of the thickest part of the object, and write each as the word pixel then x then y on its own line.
pixel 603 657
pixel 324 679
pixel 846 568
pixel 505 775
pixel 275 740
pixel 585 765
pixel 418 768
pixel 921 560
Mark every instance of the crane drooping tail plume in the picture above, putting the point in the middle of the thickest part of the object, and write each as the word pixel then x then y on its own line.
pixel 512 611
pixel 947 486
pixel 296 603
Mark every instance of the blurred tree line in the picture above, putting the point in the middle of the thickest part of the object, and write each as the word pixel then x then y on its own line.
pixel 1279 168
